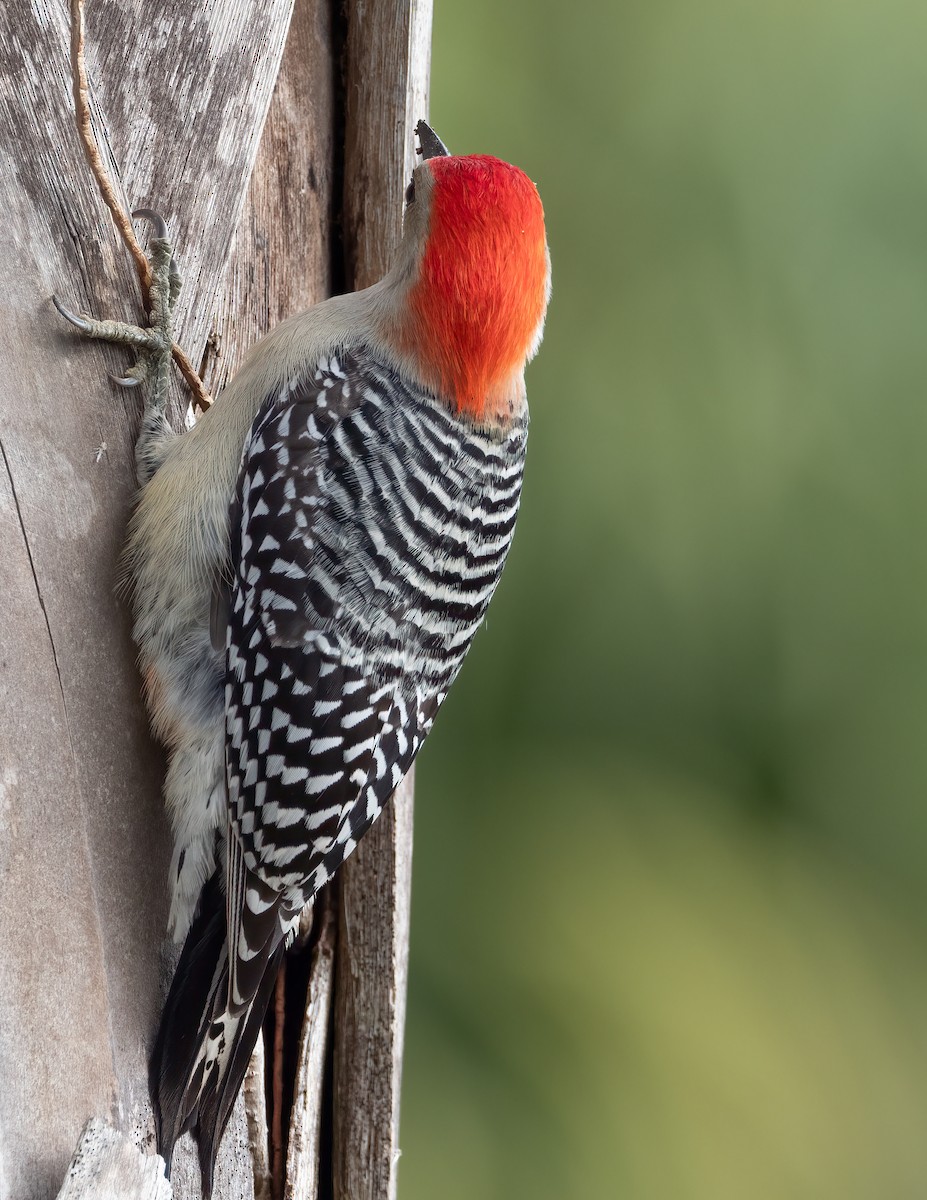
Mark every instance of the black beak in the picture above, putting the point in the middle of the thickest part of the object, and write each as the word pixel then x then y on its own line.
pixel 430 145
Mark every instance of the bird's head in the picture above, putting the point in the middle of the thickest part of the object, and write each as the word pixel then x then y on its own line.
pixel 473 274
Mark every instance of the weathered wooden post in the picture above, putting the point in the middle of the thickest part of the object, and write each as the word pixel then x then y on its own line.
pixel 276 141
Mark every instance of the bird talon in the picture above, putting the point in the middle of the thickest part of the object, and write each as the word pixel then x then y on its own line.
pixel 126 381
pixel 160 225
pixel 78 322
pixel 159 233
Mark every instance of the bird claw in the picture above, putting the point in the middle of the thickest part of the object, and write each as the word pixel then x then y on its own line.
pixel 126 381
pixel 160 233
pixel 118 334
pixel 78 322
pixel 160 225
pixel 153 343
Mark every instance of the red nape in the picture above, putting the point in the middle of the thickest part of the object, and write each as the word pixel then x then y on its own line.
pixel 482 287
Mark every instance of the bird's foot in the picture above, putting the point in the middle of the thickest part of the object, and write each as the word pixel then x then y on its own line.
pixel 154 343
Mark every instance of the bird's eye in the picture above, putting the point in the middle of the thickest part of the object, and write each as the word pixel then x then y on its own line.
pixel 410 192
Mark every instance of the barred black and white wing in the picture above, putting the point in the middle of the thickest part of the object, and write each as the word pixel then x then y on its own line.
pixel 368 533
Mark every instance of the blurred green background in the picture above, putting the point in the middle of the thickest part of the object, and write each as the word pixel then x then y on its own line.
pixel 670 915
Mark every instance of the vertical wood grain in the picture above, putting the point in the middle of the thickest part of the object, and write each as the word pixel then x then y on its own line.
pixel 85 844
pixel 387 68
pixel 281 253
pixel 222 115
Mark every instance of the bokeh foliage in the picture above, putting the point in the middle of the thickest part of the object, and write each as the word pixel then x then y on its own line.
pixel 669 935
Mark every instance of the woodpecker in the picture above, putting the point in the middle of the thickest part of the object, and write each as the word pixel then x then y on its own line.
pixel 308 565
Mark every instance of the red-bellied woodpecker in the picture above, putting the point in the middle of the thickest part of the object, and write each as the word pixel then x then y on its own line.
pixel 309 565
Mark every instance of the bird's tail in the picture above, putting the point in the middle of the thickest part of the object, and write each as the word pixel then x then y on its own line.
pixel 202 1049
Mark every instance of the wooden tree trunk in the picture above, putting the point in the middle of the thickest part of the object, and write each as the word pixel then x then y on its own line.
pixel 276 144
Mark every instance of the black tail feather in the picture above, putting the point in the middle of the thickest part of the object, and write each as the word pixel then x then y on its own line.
pixel 216 1105
pixel 186 1012
pixel 199 997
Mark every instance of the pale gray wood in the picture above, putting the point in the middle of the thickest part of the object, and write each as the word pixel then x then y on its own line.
pixel 253 1091
pixel 81 907
pixel 388 61
pixel 107 1165
pixel 234 1167
pixel 302 1166
pixel 185 111
pixel 84 842
pixel 280 260
pixel 370 1000
pixel 180 93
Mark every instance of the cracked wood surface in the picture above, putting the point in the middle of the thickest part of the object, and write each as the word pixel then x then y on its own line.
pixel 179 105
pixel 281 251
pixel 308 1118
pixel 387 77
pixel 107 1166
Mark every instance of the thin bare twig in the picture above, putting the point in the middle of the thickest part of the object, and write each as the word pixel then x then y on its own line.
pixel 122 219
pixel 201 398
pixel 92 150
